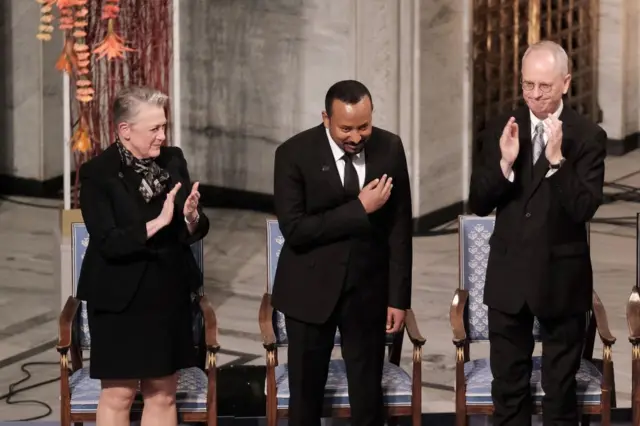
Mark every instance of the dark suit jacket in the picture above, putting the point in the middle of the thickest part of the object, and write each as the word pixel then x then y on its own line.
pixel 324 232
pixel 118 250
pixel 539 248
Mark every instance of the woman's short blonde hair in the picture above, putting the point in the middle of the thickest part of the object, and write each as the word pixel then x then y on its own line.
pixel 128 100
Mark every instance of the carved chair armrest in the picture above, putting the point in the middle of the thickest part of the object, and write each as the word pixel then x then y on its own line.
pixel 601 321
pixel 456 317
pixel 210 325
pixel 65 324
pixel 265 316
pixel 633 316
pixel 413 331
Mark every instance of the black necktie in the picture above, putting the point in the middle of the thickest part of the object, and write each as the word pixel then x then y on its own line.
pixel 351 183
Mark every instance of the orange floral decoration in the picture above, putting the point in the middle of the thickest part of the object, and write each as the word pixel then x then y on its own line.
pixel 81 141
pixel 84 91
pixel 46 19
pixel 67 61
pixel 75 58
pixel 75 54
pixel 96 37
pixel 113 45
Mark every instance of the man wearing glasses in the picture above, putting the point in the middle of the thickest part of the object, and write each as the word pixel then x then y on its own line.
pixel 542 168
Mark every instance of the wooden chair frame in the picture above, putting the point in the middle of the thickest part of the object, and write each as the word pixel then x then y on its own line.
pixel 269 342
pixel 633 322
pixel 597 321
pixel 71 361
pixel 265 319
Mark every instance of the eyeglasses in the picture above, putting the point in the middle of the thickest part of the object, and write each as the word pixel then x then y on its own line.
pixel 528 86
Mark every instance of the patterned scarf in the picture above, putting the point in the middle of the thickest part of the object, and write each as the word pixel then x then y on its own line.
pixel 153 177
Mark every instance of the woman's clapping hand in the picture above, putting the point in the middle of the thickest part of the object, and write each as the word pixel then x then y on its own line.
pixel 166 215
pixel 191 204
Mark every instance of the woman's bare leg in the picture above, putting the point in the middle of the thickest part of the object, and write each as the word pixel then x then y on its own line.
pixel 159 397
pixel 115 402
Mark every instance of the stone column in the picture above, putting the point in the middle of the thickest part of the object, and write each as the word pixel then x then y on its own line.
pixel 442 163
pixel 377 50
pixel 619 73
pixel 31 118
pixel 256 73
pixel 414 57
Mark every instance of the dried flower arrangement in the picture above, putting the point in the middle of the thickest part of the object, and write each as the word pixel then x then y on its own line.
pixel 107 44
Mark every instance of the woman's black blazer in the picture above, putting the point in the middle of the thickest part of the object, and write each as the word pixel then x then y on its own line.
pixel 118 252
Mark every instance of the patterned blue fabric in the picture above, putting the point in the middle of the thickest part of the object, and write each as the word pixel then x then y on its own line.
pixel 396 385
pixel 275 240
pixel 79 244
pixel 478 377
pixel 474 234
pixel 191 395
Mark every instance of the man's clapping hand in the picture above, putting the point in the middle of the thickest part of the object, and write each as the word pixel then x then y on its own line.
pixel 509 146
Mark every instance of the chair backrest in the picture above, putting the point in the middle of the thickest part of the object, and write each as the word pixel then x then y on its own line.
pixel 473 251
pixel 275 241
pixel 79 244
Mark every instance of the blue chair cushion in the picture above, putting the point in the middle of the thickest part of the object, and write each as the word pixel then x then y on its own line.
pixel 191 395
pixel 396 385
pixel 478 377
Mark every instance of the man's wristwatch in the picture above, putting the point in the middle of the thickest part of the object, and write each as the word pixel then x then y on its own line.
pixel 557 166
pixel 194 220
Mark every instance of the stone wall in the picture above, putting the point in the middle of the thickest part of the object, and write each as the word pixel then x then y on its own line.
pixel 255 72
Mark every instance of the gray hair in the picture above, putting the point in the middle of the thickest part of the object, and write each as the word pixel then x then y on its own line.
pixel 125 107
pixel 559 54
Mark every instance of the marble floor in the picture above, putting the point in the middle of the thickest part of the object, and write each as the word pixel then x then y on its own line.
pixel 235 277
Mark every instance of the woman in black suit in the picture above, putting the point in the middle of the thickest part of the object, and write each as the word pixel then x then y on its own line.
pixel 138 273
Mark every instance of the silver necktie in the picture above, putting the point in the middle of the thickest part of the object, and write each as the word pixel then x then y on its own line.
pixel 538 141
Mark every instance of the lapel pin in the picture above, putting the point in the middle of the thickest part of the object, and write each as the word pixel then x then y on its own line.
pixel 325 168
pixel 120 175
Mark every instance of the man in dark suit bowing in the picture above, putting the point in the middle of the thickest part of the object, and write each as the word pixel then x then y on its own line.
pixel 542 168
pixel 343 203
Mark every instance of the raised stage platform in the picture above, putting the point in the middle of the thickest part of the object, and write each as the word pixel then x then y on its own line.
pixel 235 277
pixel 620 417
